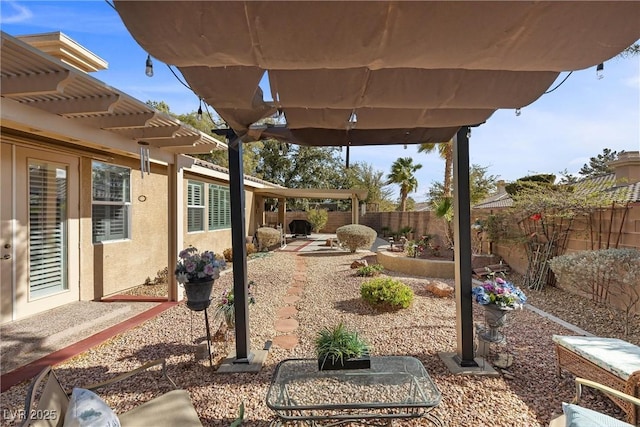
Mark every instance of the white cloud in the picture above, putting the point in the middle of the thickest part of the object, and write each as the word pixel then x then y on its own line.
pixel 89 17
pixel 13 12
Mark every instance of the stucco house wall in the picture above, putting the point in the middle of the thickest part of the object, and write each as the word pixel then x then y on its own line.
pixel 56 150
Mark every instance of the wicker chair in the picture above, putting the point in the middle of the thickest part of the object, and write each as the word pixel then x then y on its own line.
pixel 612 362
pixel 561 420
pixel 47 401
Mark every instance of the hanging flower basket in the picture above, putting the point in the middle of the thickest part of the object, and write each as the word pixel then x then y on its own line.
pixel 198 294
pixel 197 272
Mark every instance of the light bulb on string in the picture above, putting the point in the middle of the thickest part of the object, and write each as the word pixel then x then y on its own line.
pixel 199 114
pixel 518 112
pixel 149 66
pixel 600 71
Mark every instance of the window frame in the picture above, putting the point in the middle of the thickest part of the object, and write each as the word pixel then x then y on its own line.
pixel 219 207
pixel 125 204
pixel 191 207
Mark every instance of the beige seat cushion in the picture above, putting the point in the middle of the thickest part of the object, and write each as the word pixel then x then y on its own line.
pixel 560 421
pixel 172 409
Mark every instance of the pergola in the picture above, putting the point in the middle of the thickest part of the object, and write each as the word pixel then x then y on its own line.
pixel 374 73
pixel 309 193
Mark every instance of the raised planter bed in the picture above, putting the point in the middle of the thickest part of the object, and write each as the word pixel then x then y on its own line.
pixel 398 261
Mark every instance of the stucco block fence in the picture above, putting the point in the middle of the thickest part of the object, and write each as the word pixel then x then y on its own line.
pixel 422 222
pixel 425 222
pixel 398 261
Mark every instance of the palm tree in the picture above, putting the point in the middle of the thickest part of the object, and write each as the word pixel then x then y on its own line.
pixel 445 149
pixel 402 173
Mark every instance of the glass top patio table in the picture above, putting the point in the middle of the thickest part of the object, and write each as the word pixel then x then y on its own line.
pixel 394 387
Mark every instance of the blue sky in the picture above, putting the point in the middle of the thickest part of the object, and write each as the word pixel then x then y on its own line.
pixel 561 130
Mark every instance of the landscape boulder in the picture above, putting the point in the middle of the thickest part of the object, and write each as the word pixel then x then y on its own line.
pixel 440 289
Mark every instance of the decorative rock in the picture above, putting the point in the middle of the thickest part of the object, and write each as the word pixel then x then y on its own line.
pixel 508 376
pixel 201 351
pixel 440 289
pixel 359 263
pixel 503 361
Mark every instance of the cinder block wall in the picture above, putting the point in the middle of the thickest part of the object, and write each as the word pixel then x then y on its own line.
pixel 421 222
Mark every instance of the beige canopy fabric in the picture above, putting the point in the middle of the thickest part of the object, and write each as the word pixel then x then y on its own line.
pixel 410 71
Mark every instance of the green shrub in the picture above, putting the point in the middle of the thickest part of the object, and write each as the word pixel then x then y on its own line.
pixel 387 293
pixel 318 218
pixel 339 343
pixel 356 236
pixel 369 270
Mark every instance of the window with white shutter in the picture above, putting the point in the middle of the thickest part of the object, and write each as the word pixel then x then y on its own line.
pixel 195 206
pixel 219 207
pixel 111 206
pixel 47 228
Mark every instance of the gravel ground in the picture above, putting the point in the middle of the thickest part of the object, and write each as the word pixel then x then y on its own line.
pixel 331 294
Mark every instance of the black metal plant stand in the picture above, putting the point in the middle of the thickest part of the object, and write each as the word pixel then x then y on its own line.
pixel 206 324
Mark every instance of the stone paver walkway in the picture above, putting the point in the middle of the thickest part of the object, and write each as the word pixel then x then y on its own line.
pixel 286 324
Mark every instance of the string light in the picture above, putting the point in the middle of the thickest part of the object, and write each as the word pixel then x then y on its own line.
pixel 353 120
pixel 600 71
pixel 149 67
pixel 199 115
pixel 518 112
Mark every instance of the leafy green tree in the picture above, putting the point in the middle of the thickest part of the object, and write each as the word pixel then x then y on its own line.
pixel 568 178
pixel 205 124
pixel 403 174
pixel 632 50
pixel 411 204
pixel 530 181
pixel 481 185
pixel 363 176
pixel 160 106
pixel 445 150
pixel 295 166
pixel 599 166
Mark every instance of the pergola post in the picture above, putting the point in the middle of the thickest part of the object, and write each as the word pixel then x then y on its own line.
pixel 238 244
pixel 175 178
pixel 355 214
pixel 462 249
pixel 282 207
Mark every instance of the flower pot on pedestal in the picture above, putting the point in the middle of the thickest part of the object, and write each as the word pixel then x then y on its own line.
pixel 494 317
pixel 198 294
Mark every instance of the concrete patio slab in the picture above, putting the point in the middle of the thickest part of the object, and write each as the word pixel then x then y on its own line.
pixel 229 366
pixel 483 368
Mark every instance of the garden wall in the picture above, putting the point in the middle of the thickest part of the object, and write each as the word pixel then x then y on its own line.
pixel 336 219
pixel 609 231
pixel 385 223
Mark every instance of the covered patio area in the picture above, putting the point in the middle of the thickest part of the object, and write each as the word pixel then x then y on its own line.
pixel 371 73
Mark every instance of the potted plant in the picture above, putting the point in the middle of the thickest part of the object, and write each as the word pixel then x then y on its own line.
pixel 340 348
pixel 197 272
pixel 225 307
pixel 498 297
